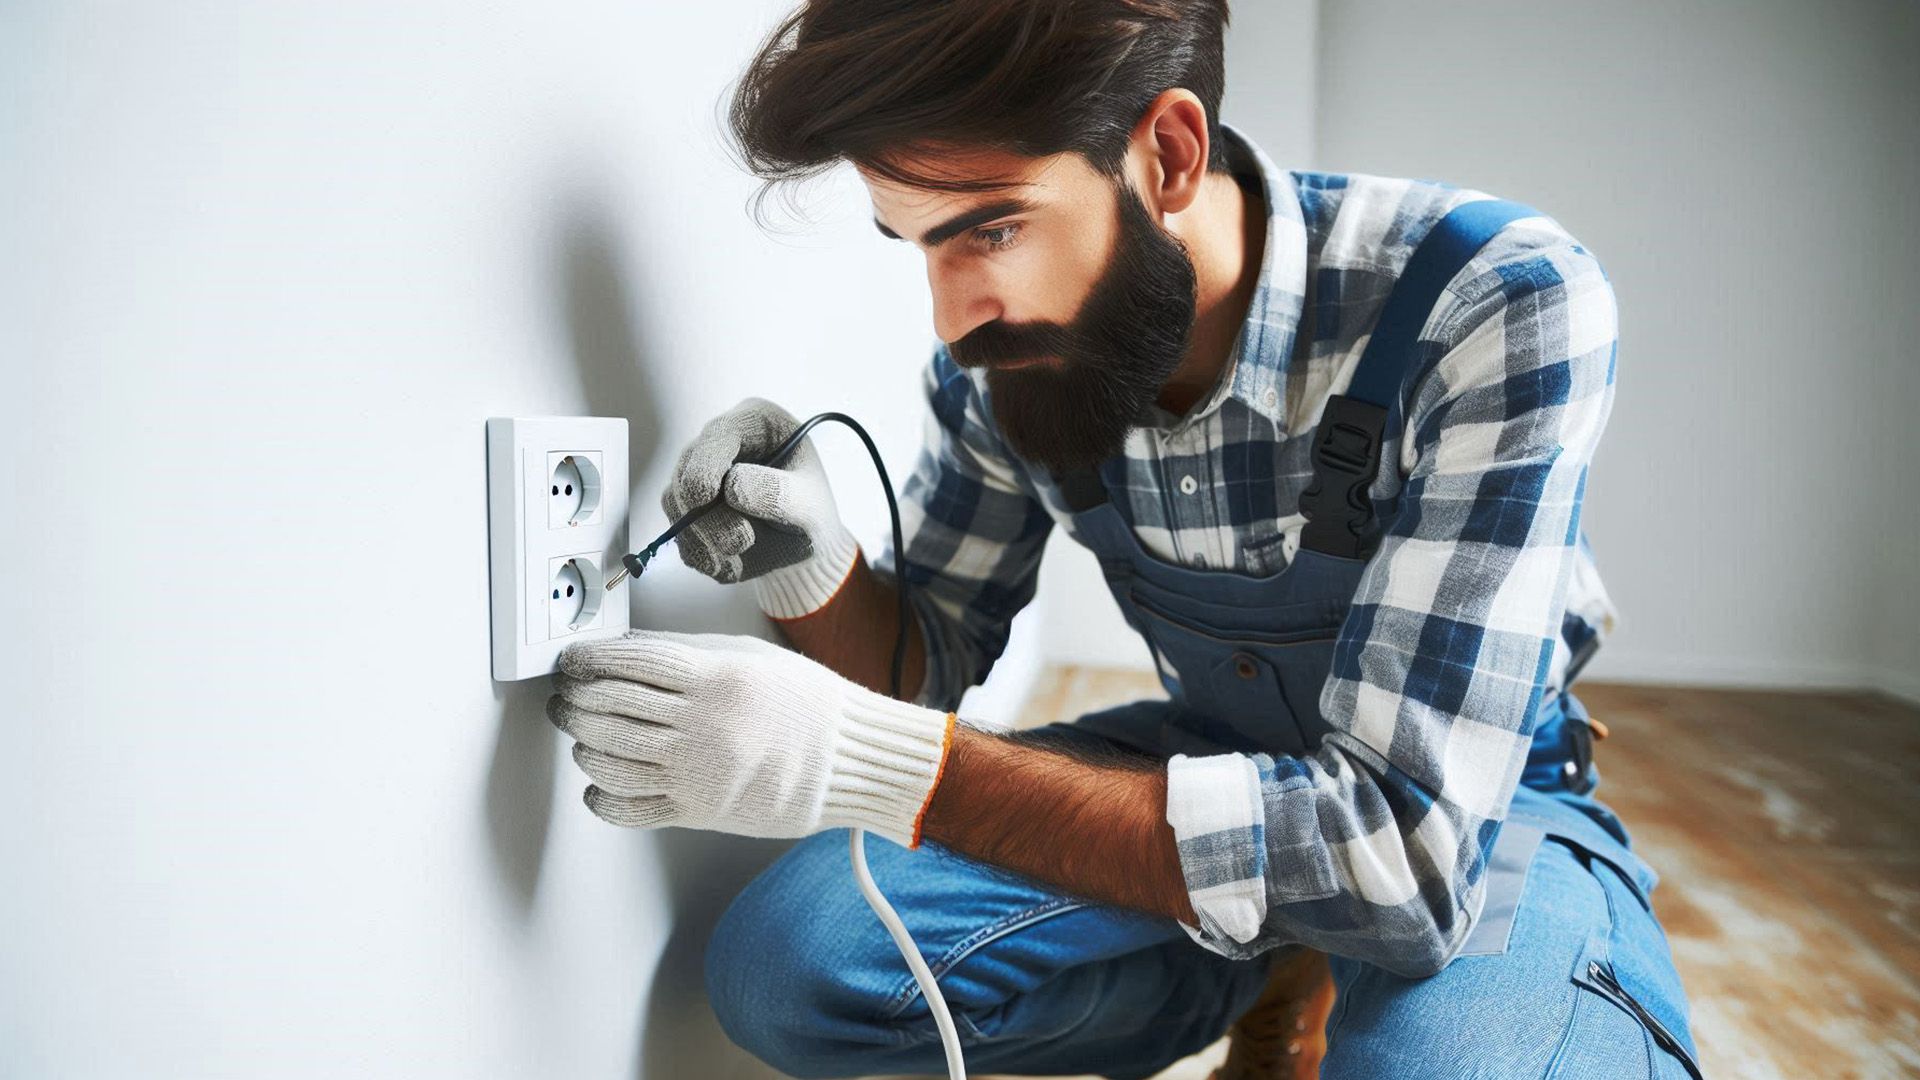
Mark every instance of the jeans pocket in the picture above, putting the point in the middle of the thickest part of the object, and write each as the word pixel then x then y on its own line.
pixel 1593 973
pixel 1633 944
pixel 972 1029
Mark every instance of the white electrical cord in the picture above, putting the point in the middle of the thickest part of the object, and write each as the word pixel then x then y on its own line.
pixel 943 1019
pixel 633 564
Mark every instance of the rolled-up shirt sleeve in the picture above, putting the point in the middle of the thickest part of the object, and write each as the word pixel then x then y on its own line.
pixel 1375 846
pixel 974 534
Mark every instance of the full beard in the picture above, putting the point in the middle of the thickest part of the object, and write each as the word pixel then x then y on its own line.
pixel 1114 357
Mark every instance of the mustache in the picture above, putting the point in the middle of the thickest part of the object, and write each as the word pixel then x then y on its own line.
pixel 999 343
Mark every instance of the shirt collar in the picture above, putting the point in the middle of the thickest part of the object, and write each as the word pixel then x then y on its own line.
pixel 1256 370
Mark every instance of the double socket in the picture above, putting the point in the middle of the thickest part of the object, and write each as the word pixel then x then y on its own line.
pixel 556 521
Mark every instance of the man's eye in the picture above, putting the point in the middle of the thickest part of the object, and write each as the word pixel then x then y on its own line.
pixel 998 237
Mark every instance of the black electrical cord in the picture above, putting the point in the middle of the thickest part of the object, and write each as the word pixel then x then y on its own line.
pixel 635 563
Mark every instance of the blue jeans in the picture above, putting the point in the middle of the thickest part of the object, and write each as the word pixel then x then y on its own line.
pixel 803 975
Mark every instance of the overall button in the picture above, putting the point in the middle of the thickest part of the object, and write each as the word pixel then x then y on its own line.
pixel 1244 666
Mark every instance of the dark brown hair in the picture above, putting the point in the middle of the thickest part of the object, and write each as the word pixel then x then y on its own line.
pixel 874 81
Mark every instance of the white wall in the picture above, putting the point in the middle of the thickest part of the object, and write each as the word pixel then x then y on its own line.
pixel 262 810
pixel 269 268
pixel 1744 172
pixel 1890 400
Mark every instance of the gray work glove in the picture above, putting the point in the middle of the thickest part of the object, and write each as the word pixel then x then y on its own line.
pixel 779 527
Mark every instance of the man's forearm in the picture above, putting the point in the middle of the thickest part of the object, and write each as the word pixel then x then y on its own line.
pixel 1094 828
pixel 854 633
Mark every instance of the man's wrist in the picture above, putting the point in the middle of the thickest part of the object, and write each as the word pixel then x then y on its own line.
pixel 888 762
pixel 797 591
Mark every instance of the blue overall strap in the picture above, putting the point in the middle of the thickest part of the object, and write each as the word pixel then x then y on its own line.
pixel 1346 445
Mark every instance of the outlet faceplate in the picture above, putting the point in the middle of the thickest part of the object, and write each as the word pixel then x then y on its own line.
pixel 556 519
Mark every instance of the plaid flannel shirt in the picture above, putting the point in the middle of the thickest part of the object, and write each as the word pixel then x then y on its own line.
pixel 1375 846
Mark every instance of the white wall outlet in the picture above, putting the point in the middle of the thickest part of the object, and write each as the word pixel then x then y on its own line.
pixel 556 520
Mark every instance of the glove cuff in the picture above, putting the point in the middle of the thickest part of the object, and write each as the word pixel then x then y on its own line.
pixel 793 592
pixel 886 765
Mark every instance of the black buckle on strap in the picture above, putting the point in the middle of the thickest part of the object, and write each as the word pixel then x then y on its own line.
pixel 1346 457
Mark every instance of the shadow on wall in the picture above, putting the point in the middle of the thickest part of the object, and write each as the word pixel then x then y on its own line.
pixel 679 1035
pixel 595 300
pixel 519 790
pixel 699 872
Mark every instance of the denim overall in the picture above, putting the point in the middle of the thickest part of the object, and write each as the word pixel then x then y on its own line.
pixel 1244 658
pixel 1565 974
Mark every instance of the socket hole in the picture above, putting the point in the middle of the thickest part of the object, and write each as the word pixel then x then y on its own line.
pixel 575 607
pixel 574 488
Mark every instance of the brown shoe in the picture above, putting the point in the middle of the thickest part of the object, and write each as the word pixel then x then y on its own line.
pixel 1284 1035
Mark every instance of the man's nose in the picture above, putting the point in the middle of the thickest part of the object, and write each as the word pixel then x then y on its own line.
pixel 959 305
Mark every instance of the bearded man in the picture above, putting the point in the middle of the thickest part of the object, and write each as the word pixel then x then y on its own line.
pixel 1328 436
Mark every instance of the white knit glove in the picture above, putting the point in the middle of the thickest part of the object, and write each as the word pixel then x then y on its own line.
pixel 736 734
pixel 779 527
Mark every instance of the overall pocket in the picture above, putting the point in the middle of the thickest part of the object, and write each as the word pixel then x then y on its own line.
pixel 1249 681
pixel 1275 624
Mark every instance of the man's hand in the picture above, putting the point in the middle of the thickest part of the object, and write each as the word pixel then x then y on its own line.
pixel 779 527
pixel 735 734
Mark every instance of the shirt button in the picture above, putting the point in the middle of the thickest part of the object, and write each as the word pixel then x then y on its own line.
pixel 1188 485
pixel 1270 398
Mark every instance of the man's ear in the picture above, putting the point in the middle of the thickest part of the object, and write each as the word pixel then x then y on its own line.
pixel 1170 143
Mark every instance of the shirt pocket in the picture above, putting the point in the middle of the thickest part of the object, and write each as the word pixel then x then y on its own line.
pixel 1265 555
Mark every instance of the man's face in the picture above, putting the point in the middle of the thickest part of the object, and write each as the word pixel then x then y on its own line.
pixel 1062 286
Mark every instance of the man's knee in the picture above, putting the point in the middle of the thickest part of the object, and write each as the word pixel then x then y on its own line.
pixel 735 989
pixel 1531 1009
pixel 773 979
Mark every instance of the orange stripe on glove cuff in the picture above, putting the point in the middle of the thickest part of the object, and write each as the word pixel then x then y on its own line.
pixel 889 758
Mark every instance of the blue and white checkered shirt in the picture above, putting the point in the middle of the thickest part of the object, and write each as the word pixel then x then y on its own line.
pixel 1375 846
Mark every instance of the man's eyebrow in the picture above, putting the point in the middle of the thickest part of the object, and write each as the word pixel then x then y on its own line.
pixel 960 223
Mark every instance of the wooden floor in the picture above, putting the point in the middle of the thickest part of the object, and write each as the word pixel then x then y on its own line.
pixel 1783 827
